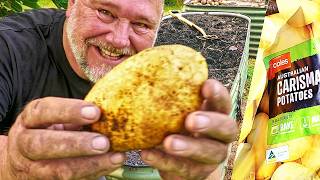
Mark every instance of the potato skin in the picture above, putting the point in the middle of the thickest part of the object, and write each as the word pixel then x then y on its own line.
pixel 148 96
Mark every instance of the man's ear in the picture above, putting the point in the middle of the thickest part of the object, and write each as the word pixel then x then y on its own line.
pixel 70 5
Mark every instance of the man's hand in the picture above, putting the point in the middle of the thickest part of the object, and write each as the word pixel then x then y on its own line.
pixel 198 155
pixel 44 143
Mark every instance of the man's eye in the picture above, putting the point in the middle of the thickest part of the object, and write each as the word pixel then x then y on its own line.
pixel 105 14
pixel 141 28
pixel 140 25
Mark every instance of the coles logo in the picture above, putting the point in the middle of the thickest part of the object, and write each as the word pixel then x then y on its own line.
pixel 279 63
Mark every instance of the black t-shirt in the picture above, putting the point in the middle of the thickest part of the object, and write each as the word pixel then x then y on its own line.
pixel 33 62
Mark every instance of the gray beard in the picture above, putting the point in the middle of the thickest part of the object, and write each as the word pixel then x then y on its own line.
pixel 93 74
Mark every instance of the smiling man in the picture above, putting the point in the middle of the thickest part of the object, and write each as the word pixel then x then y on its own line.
pixel 49 60
pixel 108 32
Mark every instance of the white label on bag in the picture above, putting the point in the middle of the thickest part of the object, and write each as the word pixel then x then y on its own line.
pixel 277 154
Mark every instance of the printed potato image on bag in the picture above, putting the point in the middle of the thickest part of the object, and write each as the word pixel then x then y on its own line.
pixel 281 122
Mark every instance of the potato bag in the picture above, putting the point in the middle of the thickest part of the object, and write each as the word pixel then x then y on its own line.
pixel 286 79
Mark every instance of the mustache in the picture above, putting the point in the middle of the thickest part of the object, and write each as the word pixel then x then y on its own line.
pixel 127 51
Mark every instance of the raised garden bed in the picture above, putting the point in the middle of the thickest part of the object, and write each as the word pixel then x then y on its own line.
pixel 253 9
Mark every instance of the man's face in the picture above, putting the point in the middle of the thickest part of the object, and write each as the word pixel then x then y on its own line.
pixel 103 33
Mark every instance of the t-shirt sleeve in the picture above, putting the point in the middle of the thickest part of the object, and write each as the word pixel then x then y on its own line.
pixel 6 79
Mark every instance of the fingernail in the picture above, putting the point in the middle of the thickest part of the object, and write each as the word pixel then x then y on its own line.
pixel 89 112
pixel 99 143
pixel 179 145
pixel 117 158
pixel 201 122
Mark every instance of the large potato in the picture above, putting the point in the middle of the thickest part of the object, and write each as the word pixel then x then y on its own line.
pixel 148 96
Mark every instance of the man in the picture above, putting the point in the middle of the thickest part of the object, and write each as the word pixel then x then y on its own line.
pixel 49 60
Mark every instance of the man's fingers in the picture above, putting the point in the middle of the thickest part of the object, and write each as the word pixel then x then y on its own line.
pixel 215 125
pixel 216 96
pixel 69 127
pixel 199 149
pixel 42 113
pixel 50 144
pixel 170 166
pixel 79 168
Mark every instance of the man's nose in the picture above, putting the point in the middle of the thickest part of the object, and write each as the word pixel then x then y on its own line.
pixel 120 35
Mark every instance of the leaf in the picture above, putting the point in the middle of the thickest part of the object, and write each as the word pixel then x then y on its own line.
pixel 31 3
pixel 34 1
pixel 16 6
pixel 62 4
pixel 3 11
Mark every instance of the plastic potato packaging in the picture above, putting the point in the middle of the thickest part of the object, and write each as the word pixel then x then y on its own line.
pixel 285 137
pixel 244 168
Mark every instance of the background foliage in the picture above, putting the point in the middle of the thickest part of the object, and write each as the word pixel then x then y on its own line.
pixel 11 6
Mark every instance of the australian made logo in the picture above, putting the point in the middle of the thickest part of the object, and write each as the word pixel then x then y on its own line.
pixel 271 157
pixel 277 154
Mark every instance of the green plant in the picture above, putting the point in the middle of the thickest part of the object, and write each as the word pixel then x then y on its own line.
pixel 12 6
pixel 173 3
pixel 62 4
